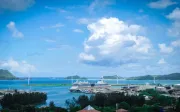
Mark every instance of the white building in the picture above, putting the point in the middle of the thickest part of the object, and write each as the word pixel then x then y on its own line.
pixel 161 89
pixel 177 86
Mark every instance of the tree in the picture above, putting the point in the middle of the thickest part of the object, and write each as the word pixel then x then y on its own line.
pixel 51 105
pixel 178 106
pixel 83 101
pixel 99 99
pixel 71 103
pixel 29 108
pixel 22 99
pixel 124 105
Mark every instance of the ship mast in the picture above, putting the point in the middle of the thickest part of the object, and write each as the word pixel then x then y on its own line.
pixel 72 79
pixel 102 78
pixel 28 80
pixel 154 79
pixel 117 79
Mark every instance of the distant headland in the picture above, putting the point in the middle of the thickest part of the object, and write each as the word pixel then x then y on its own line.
pixel 112 77
pixel 172 76
pixel 6 75
pixel 75 77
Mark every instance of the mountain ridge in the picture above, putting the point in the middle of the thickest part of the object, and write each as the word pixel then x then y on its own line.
pixel 172 76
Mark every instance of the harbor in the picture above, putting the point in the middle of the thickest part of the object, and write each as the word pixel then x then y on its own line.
pixel 59 94
pixel 131 89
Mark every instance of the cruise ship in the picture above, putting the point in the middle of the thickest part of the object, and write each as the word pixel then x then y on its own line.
pixel 80 86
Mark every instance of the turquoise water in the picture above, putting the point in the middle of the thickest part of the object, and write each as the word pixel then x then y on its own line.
pixel 59 94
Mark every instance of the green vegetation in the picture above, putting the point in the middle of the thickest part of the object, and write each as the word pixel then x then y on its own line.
pixel 17 100
pixel 173 76
pixel 157 98
pixel 107 102
pixel 75 77
pixel 45 85
pixel 6 75
pixel 32 108
pixel 102 102
pixel 178 106
pixel 112 77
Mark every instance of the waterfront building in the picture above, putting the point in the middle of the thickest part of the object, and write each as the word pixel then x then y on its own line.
pixel 161 89
pixel 177 86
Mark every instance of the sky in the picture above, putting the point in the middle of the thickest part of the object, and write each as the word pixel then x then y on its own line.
pixel 92 38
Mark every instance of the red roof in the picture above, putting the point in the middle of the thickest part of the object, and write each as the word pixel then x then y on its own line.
pixel 121 110
pixel 88 111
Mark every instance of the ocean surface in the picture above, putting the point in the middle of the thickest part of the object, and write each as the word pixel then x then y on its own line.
pixel 59 94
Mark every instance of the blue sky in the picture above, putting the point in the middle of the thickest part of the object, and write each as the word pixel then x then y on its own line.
pixel 89 37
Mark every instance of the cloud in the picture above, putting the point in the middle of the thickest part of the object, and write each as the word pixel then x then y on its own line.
pixel 162 61
pixel 87 57
pixel 58 25
pixel 165 49
pixel 16 5
pixel 78 31
pixel 161 4
pixel 15 32
pixel 99 4
pixel 34 54
pixel 85 21
pixel 58 47
pixel 55 9
pixel 55 26
pixel 176 43
pixel 20 67
pixel 70 17
pixel 50 40
pixel 175 17
pixel 112 42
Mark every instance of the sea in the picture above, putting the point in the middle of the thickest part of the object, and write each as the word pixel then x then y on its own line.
pixel 59 94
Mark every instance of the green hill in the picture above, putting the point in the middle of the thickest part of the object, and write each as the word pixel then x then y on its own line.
pixel 6 75
pixel 75 77
pixel 173 76
pixel 112 77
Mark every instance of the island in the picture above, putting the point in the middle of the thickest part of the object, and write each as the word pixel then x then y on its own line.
pixel 112 77
pixel 76 77
pixel 172 76
pixel 6 75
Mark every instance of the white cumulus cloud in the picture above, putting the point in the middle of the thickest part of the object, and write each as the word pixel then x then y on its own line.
pixel 15 32
pixel 162 61
pixel 176 43
pixel 175 17
pixel 16 5
pixel 87 57
pixel 20 67
pixel 112 42
pixel 165 49
pixel 161 4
